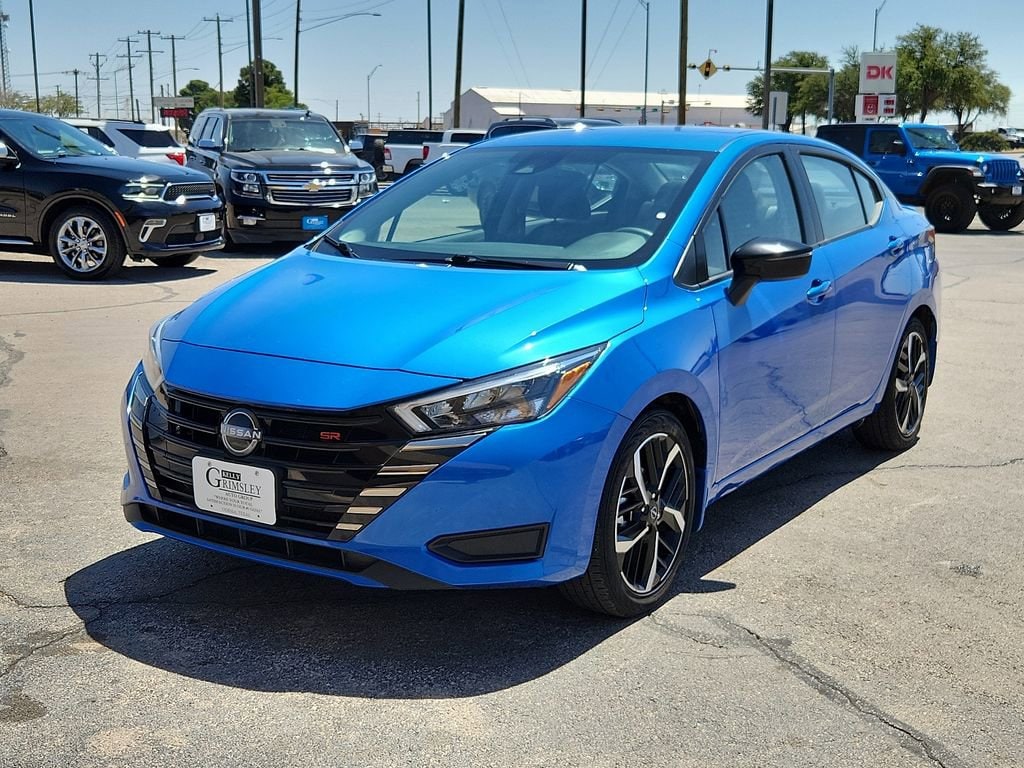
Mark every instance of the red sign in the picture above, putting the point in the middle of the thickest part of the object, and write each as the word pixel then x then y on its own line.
pixel 175 112
pixel 870 108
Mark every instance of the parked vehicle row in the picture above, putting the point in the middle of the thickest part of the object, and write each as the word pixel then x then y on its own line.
pixel 547 389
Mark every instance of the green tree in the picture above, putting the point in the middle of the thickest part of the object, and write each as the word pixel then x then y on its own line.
pixel 276 94
pixel 847 85
pixel 808 94
pixel 205 97
pixel 17 100
pixel 924 59
pixel 58 105
pixel 973 88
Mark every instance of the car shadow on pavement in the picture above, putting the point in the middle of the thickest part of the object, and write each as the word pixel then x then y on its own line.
pixel 212 617
pixel 45 272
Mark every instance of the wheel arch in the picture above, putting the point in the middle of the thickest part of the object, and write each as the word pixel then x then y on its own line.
pixel 927 318
pixel 940 175
pixel 62 203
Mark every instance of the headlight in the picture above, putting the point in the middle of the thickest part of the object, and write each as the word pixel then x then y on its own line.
pixel 152 364
pixel 367 184
pixel 523 394
pixel 247 183
pixel 146 189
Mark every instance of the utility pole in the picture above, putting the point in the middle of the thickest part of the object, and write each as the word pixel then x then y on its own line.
pixel 174 61
pixel 256 73
pixel 35 64
pixel 220 54
pixel 131 83
pixel 5 53
pixel 684 34
pixel 149 49
pixel 248 40
pixel 430 73
pixel 647 54
pixel 767 97
pixel 298 20
pixel 457 106
pixel 96 66
pixel 583 61
pixel 78 109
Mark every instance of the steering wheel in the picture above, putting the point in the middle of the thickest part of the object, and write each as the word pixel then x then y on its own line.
pixel 645 233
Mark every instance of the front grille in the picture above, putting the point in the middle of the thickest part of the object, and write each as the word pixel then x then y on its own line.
pixel 322 197
pixel 1003 171
pixel 192 191
pixel 305 178
pixel 327 487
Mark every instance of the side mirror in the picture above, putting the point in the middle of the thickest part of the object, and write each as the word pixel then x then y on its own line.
pixel 897 147
pixel 764 258
pixel 6 156
pixel 211 144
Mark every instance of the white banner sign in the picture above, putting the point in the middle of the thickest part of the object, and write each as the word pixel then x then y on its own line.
pixel 171 102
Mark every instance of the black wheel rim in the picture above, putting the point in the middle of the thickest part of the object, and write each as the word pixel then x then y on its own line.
pixel 948 207
pixel 650 523
pixel 911 383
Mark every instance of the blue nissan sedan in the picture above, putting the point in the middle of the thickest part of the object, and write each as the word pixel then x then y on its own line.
pixel 545 384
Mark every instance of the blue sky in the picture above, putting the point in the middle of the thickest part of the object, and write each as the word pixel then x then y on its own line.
pixel 337 57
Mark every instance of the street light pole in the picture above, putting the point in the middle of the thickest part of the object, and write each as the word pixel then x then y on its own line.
pixel 647 52
pixel 874 37
pixel 583 60
pixel 684 33
pixel 324 23
pixel 368 94
pixel 35 65
pixel 430 73
pixel 767 94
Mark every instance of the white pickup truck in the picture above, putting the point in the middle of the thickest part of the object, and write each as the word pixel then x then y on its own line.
pixel 455 138
pixel 403 150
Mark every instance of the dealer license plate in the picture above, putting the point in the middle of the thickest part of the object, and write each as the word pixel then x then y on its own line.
pixel 235 490
pixel 207 222
pixel 314 223
pixel 387 169
pixel 1018 189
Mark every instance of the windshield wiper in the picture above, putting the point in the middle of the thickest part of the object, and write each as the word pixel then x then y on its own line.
pixel 340 246
pixel 464 260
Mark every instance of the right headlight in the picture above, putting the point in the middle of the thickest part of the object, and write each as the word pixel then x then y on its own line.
pixel 152 363
pixel 523 394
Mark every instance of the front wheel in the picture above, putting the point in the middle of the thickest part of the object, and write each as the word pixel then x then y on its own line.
pixel 643 523
pixel 950 208
pixel 175 260
pixel 85 243
pixel 1001 218
pixel 897 422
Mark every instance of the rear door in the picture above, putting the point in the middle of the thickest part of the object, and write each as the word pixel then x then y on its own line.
pixel 12 197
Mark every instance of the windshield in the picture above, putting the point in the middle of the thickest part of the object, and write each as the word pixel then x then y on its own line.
pixel 931 138
pixel 590 207
pixel 47 137
pixel 290 133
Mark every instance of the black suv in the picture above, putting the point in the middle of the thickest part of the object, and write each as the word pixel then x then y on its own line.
pixel 90 208
pixel 285 174
pixel 513 125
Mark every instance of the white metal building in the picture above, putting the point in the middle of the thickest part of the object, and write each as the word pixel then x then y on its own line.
pixel 482 106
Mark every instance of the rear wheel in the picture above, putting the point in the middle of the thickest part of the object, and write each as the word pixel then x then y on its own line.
pixel 951 208
pixel 1001 218
pixel 643 523
pixel 86 244
pixel 175 260
pixel 897 422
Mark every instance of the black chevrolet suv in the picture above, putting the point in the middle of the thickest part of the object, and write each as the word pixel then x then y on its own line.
pixel 90 208
pixel 285 174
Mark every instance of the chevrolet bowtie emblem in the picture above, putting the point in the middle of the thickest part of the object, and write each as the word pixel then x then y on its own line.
pixel 313 186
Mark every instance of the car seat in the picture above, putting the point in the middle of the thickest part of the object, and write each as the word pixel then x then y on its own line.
pixel 562 197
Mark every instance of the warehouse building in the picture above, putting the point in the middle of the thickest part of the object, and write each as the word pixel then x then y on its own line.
pixel 482 106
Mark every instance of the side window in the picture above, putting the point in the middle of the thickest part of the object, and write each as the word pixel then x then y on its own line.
pixel 835 194
pixel 870 196
pixel 715 258
pixel 881 140
pixel 99 135
pixel 213 129
pixel 197 130
pixel 760 203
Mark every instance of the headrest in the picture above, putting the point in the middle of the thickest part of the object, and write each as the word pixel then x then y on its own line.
pixel 563 195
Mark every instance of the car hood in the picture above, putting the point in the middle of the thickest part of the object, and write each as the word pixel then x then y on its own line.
pixel 130 168
pixel 291 160
pixel 434 320
pixel 962 157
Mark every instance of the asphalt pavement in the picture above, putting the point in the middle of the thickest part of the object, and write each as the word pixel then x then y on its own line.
pixel 847 609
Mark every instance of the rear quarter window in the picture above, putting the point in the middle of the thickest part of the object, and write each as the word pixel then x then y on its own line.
pixel 146 138
pixel 467 138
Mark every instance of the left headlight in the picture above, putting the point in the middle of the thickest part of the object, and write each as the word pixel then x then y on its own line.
pixel 523 394
pixel 367 183
pixel 146 189
pixel 152 363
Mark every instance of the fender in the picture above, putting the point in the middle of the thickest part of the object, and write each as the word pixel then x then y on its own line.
pixel 939 174
pixel 86 195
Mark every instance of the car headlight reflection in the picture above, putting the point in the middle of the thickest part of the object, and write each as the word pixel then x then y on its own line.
pixel 152 364
pixel 523 394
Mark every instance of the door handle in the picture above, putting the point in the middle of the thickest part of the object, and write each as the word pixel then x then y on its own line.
pixel 818 291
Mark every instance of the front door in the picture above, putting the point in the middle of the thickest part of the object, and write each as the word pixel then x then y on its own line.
pixel 889 157
pixel 775 349
pixel 12 197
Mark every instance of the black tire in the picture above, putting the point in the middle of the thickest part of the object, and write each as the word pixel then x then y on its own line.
pixel 1001 218
pixel 86 244
pixel 885 429
pixel 950 208
pixel 175 260
pixel 626 520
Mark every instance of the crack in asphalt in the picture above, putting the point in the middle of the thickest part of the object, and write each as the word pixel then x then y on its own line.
pixel 169 294
pixel 675 630
pixel 920 743
pixel 26 655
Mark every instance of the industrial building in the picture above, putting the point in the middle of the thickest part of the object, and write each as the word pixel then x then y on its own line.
pixel 481 106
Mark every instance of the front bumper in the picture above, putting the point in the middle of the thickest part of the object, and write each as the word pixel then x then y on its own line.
pixel 1001 194
pixel 470 522
pixel 178 230
pixel 261 222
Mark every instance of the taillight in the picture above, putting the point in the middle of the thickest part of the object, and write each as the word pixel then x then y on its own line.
pixel 387 153
pixel 178 157
pixel 426 151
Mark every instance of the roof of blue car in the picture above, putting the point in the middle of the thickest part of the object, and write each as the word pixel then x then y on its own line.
pixel 700 138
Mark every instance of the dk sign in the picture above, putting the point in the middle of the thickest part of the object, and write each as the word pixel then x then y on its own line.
pixel 878 73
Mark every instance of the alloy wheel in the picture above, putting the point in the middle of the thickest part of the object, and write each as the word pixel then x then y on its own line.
pixel 650 520
pixel 911 383
pixel 82 244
